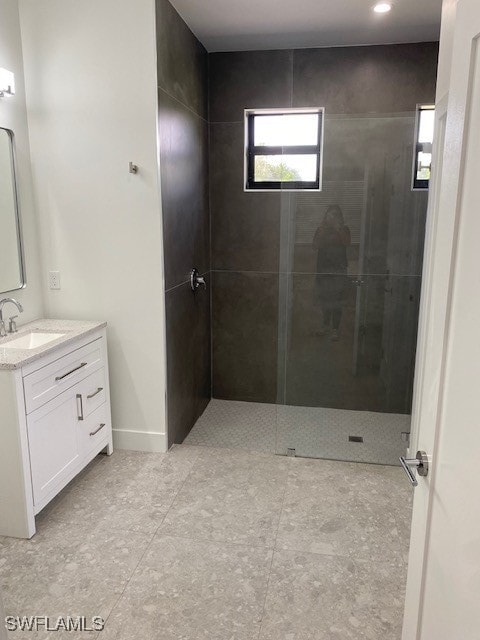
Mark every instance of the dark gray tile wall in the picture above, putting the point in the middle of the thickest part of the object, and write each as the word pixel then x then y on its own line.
pixel 354 80
pixel 245 328
pixel 183 145
pixel 188 358
pixel 184 172
pixel 370 367
pixel 182 61
pixel 248 80
pixel 265 281
pixel 244 237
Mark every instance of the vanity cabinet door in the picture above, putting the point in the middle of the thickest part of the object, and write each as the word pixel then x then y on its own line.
pixel 54 446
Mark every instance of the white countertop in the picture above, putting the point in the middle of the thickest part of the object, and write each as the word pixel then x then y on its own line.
pixel 73 329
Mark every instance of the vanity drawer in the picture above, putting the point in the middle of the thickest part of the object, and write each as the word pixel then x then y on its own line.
pixel 94 430
pixel 49 381
pixel 91 393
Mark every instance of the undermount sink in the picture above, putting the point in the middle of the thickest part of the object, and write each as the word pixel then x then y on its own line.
pixel 31 340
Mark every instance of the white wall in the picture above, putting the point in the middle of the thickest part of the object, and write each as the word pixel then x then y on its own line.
pixel 449 13
pixel 90 71
pixel 13 116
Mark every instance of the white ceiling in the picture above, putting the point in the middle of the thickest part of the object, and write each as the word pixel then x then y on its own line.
pixel 241 25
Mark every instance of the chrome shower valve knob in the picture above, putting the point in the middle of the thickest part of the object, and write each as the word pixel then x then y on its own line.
pixel 196 280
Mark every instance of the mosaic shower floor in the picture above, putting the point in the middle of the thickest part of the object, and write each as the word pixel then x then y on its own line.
pixel 313 432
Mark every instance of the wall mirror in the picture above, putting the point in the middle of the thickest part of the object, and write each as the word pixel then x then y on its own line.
pixel 12 271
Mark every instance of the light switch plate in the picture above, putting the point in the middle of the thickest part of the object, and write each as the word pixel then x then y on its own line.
pixel 54 279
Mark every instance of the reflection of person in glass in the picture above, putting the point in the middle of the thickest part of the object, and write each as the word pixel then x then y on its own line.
pixel 330 242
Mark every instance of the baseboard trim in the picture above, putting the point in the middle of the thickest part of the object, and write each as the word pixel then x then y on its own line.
pixel 151 442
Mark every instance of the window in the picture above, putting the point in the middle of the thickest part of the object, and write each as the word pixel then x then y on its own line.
pixel 283 149
pixel 422 162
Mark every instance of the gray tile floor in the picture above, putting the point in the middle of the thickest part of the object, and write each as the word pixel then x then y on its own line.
pixel 218 544
pixel 314 432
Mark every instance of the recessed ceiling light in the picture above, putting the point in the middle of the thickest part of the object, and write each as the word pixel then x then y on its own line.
pixel 382 7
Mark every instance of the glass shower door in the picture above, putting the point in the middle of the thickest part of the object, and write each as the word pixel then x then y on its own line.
pixel 351 258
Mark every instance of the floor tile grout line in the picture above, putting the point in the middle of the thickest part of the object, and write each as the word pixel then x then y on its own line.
pixel 232 543
pixel 151 538
pixel 149 544
pixel 274 549
pixel 75 484
pixel 181 485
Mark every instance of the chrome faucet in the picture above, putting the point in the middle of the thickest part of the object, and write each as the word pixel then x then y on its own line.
pixel 12 327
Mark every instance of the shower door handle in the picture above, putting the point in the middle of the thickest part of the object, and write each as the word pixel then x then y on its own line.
pixel 420 463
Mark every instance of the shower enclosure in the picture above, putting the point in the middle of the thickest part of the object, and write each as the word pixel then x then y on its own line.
pixel 317 358
pixel 309 356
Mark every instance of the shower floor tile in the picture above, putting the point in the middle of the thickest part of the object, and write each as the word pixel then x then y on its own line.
pixel 313 432
pixel 237 425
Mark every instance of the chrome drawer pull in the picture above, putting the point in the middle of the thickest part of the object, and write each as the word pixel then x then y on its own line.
pixel 92 395
pixel 84 364
pixel 92 433
pixel 79 397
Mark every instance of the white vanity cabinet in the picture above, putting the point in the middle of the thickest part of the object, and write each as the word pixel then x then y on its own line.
pixel 55 418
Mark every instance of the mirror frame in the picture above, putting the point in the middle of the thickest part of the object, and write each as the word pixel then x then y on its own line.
pixel 18 224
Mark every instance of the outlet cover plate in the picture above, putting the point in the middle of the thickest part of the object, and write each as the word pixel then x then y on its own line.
pixel 54 279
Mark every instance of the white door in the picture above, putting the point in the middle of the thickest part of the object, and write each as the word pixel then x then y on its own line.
pixel 443 589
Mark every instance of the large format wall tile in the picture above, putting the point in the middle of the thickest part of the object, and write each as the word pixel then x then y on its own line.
pixel 182 61
pixel 376 79
pixel 245 320
pixel 245 226
pixel 188 358
pixel 183 146
pixel 248 80
pixel 370 95
pixel 184 172
pixel 368 173
pixel 369 365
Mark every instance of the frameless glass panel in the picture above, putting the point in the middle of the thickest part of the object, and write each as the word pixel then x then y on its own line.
pixel 286 168
pixel 367 175
pixel 349 290
pixel 286 130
